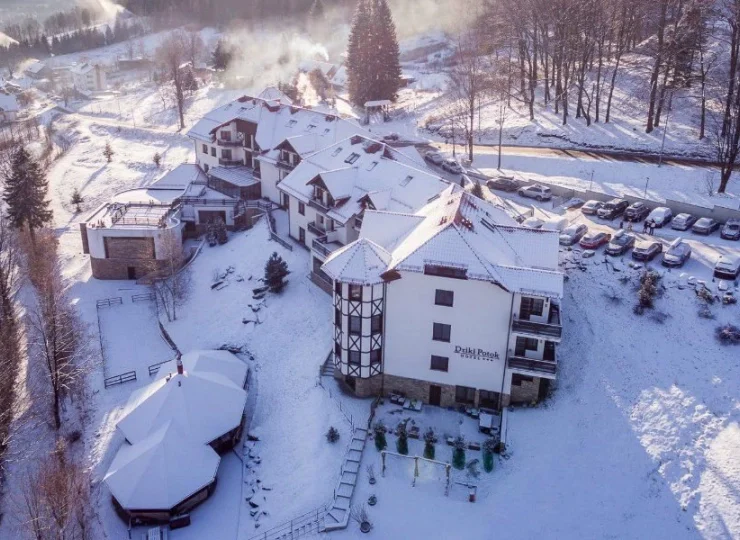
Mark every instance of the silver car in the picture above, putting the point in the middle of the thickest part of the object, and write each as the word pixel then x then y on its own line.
pixel 572 234
pixel 536 191
pixel 678 253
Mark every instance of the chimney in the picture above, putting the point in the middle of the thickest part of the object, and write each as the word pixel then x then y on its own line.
pixel 179 366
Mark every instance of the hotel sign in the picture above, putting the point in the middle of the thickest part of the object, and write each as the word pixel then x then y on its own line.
pixel 476 354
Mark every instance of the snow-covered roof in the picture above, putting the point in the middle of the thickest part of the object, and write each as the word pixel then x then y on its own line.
pixel 221 362
pixel 360 173
pixel 378 103
pixel 35 67
pixel 458 230
pixel 237 176
pixel 327 68
pixel 81 69
pixel 181 177
pixel 8 103
pixel 161 470
pixel 277 122
pixel 362 263
pixel 272 93
pixel 340 77
pixel 203 405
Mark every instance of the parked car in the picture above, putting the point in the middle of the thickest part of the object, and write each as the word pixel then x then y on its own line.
pixel 452 166
pixel 727 268
pixel 503 183
pixel 731 230
pixel 536 191
pixel 572 234
pixel 683 222
pixel 646 250
pixel 677 254
pixel 620 243
pixel 660 216
pixel 636 211
pixel 613 209
pixel 705 225
pixel 434 157
pixel 594 240
pixel 590 208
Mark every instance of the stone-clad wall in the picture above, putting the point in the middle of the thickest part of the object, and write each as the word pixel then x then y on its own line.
pixel 526 392
pixel 118 268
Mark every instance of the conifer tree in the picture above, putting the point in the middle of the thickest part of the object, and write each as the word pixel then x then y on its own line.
pixel 275 271
pixel 221 235
pixel 77 199
pixel 221 57
pixel 25 193
pixel 387 51
pixel 358 55
pixel 477 190
pixel 108 152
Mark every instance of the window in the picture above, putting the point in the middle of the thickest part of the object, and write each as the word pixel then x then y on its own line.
pixel 292 122
pixel 338 317
pixel 440 363
pixel 525 344
pixel 488 399
pixel 445 271
pixel 205 149
pixel 442 332
pixel 375 357
pixel 213 151
pixel 355 292
pixel 354 358
pixel 517 380
pixel 338 349
pixel 311 127
pixel 443 298
pixel 352 158
pixel 531 306
pixel 336 151
pixel 406 180
pixel 372 165
pixel 301 235
pixel 301 209
pixel 225 135
pixel 338 288
pixel 376 324
pixel 326 132
pixel 355 324
pixel 464 394
pixel 225 153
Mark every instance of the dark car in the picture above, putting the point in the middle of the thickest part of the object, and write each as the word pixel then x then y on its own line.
pixel 705 225
pixel 594 240
pixel 646 251
pixel 503 183
pixel 620 244
pixel 590 208
pixel 613 209
pixel 731 230
pixel 683 222
pixel 637 211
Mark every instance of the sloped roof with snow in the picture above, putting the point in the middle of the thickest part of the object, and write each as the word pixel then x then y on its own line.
pixel 181 177
pixel 277 122
pixel 203 405
pixel 362 263
pixel 161 470
pixel 237 176
pixel 360 173
pixel 272 93
pixel 209 361
pixel 458 230
pixel 8 103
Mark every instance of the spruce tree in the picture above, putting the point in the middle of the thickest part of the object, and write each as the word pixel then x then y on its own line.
pixel 221 57
pixel 402 443
pixel 358 55
pixel 108 152
pixel 477 190
pixel 25 193
pixel 388 65
pixel 222 235
pixel 275 271
pixel 77 200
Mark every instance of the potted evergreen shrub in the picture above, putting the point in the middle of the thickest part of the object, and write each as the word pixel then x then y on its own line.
pixel 402 443
pixel 429 439
pixel 489 447
pixel 458 454
pixel 379 433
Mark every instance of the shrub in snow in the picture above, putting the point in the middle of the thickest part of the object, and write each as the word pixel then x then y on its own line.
pixel 157 159
pixel 222 235
pixel 477 190
pixel 647 292
pixel 360 515
pixel 728 334
pixel 489 447
pixel 402 443
pixel 77 200
pixel 472 469
pixel 429 444
pixel 370 474
pixel 379 432
pixel 108 152
pixel 705 313
pixel 211 236
pixel 705 294
pixel 275 271
pixel 332 435
pixel 458 454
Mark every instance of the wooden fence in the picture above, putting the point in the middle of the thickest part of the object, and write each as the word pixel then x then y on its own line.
pixel 108 302
pixel 120 379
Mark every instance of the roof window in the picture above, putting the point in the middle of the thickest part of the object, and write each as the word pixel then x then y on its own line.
pixel 292 122
pixel 406 180
pixel 352 158
pixel 336 151
pixel 372 165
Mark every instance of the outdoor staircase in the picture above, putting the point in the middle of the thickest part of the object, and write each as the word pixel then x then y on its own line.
pixel 327 368
pixel 337 517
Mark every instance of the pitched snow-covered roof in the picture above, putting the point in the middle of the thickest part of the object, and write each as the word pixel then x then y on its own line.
pixel 181 177
pixel 327 68
pixel 209 361
pixel 458 230
pixel 272 93
pixel 203 405
pixel 8 103
pixel 237 176
pixel 161 470
pixel 362 263
pixel 35 67
pixel 277 122
pixel 81 69
pixel 362 173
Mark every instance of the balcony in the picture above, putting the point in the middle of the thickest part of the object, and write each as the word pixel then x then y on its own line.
pixel 228 144
pixel 548 367
pixel 318 205
pixel 230 162
pixel 321 248
pixel 316 229
pixel 551 328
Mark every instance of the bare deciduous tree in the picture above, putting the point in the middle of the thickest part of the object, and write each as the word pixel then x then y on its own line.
pixel 171 55
pixel 170 282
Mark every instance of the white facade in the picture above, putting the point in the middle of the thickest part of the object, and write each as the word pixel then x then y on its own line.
pixel 89 78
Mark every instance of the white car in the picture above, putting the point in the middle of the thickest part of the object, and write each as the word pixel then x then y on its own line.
pixel 536 191
pixel 434 157
pixel 660 216
pixel 572 234
pixel 727 268
pixel 678 253
pixel 731 229
pixel 452 166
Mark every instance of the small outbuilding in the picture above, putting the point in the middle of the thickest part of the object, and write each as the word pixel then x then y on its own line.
pixel 162 476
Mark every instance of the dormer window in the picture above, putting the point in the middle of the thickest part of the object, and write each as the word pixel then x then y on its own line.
pixel 311 127
pixel 336 151
pixel 352 158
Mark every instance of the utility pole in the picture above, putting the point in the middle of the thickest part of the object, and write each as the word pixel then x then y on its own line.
pixel 665 130
pixel 500 132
